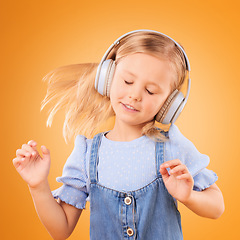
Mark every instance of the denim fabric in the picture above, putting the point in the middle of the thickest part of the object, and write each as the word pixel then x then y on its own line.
pixel 151 213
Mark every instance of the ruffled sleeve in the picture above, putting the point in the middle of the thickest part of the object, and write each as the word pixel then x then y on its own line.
pixel 179 147
pixel 74 178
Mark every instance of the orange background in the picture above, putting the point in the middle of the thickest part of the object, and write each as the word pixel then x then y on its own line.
pixel 38 36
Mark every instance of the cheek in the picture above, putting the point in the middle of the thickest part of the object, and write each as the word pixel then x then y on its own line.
pixel 115 95
pixel 113 89
pixel 117 89
pixel 154 108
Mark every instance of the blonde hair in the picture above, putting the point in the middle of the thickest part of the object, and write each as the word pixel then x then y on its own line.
pixel 72 87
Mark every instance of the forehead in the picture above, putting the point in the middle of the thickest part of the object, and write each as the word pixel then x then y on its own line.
pixel 145 66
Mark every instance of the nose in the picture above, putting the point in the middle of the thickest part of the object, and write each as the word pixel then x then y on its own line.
pixel 135 94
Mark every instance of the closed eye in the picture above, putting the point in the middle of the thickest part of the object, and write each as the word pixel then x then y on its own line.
pixel 128 82
pixel 149 92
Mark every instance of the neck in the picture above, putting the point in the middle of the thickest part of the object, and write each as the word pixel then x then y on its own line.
pixel 124 132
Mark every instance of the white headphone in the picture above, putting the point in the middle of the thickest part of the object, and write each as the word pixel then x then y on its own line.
pixel 174 104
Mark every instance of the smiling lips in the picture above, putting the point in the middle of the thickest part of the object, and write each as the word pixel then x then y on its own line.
pixel 129 107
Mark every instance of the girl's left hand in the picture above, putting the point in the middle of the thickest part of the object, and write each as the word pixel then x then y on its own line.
pixel 178 180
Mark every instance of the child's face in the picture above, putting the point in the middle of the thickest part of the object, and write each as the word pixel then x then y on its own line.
pixel 140 86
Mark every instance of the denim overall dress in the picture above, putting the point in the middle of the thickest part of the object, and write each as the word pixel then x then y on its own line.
pixel 148 213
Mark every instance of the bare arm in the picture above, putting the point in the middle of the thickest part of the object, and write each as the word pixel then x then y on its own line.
pixel 207 203
pixel 59 218
pixel 179 182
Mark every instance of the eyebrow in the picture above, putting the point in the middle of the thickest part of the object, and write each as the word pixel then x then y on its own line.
pixel 130 73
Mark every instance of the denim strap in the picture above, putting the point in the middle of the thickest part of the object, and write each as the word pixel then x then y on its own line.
pixel 93 162
pixel 159 156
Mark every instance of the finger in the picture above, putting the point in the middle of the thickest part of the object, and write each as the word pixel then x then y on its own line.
pixel 26 158
pixel 179 169
pixel 27 147
pixel 186 176
pixel 22 153
pixel 17 162
pixel 164 172
pixel 32 143
pixel 45 152
pixel 32 150
pixel 172 163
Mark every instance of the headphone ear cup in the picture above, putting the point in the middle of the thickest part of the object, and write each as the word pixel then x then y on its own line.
pixel 171 108
pixel 106 72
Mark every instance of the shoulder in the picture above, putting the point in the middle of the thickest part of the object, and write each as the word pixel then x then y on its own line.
pixel 175 134
pixel 177 139
pixel 80 150
pixel 81 140
pixel 182 148
pixel 82 143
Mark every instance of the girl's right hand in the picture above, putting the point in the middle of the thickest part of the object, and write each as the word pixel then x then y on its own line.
pixel 33 168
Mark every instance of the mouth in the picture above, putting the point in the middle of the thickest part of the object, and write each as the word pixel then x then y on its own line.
pixel 129 107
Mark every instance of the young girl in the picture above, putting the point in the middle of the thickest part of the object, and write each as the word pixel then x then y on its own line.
pixel 134 174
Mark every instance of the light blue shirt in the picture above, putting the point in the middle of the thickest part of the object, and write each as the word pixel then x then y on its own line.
pixel 128 166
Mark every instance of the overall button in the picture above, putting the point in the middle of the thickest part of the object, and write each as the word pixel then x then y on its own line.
pixel 127 200
pixel 130 232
